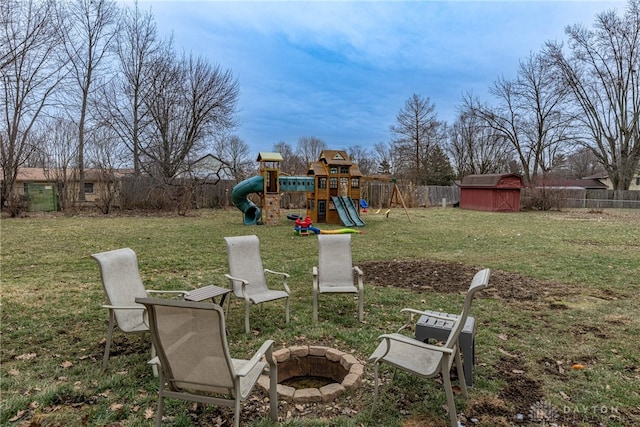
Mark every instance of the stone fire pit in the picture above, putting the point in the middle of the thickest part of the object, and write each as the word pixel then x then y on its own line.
pixel 342 371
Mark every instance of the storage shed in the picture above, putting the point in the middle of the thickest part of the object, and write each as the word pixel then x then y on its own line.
pixel 491 192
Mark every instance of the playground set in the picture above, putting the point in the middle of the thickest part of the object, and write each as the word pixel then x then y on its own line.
pixel 332 187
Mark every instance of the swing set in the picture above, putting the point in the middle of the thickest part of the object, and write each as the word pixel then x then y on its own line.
pixel 395 200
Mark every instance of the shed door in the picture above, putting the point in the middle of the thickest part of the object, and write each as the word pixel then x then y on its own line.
pixel 506 200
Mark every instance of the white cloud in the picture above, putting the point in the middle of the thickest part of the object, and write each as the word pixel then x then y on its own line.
pixel 343 65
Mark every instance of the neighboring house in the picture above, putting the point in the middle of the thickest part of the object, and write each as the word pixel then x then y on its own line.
pixel 570 183
pixel 45 186
pixel 603 177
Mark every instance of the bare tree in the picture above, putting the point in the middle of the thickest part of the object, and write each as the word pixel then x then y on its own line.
pixel 292 163
pixel 189 101
pixel 309 148
pixel 31 71
pixel 416 131
pixel 364 158
pixel 386 158
pixel 88 27
pixel 233 152
pixel 529 115
pixel 601 69
pixel 582 163
pixel 122 102
pixel 107 155
pixel 477 148
pixel 59 154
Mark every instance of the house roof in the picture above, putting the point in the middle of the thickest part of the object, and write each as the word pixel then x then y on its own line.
pixel 335 157
pixel 558 182
pixel 598 175
pixel 51 175
pixel 605 175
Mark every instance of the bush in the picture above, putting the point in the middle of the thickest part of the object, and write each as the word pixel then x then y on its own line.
pixel 542 199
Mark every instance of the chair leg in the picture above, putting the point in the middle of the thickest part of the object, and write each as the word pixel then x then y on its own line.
pixel 226 313
pixel 315 307
pixel 154 367
pixel 286 310
pixel 247 328
pixel 446 380
pixel 375 388
pixel 160 401
pixel 236 417
pixel 273 391
pixel 361 307
pixel 376 380
pixel 107 347
pixel 461 377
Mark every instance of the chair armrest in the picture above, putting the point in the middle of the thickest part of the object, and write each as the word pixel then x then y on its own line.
pixel 266 348
pixel 266 270
pixel 414 342
pixel 284 276
pixel 123 307
pixel 359 275
pixel 237 279
pixel 452 317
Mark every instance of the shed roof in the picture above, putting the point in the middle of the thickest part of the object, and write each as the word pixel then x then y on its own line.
pixel 489 180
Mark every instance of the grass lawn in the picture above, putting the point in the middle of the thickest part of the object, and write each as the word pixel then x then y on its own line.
pixel 584 268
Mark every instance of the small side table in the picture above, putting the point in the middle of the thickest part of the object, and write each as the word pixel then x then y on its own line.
pixel 431 327
pixel 208 292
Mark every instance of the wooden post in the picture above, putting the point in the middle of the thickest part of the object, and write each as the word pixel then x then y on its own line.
pixel 395 195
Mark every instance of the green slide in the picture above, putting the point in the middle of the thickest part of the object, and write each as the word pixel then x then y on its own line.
pixel 252 213
pixel 347 211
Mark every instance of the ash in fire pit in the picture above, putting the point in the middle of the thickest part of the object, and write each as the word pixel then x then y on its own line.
pixel 314 373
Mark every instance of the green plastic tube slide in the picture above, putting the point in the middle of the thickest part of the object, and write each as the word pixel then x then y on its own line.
pixel 239 194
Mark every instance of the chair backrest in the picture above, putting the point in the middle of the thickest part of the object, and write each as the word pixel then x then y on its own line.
pixel 122 284
pixel 335 265
pixel 479 282
pixel 245 263
pixel 191 343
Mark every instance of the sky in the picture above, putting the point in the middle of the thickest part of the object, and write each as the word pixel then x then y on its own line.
pixel 341 71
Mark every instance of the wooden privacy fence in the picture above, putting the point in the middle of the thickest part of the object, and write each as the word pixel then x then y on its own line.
pixel 380 194
pixel 589 199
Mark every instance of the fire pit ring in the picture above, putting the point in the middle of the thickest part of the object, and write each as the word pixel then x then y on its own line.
pixel 343 371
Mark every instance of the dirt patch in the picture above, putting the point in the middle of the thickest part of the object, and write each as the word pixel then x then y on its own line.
pixel 423 275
